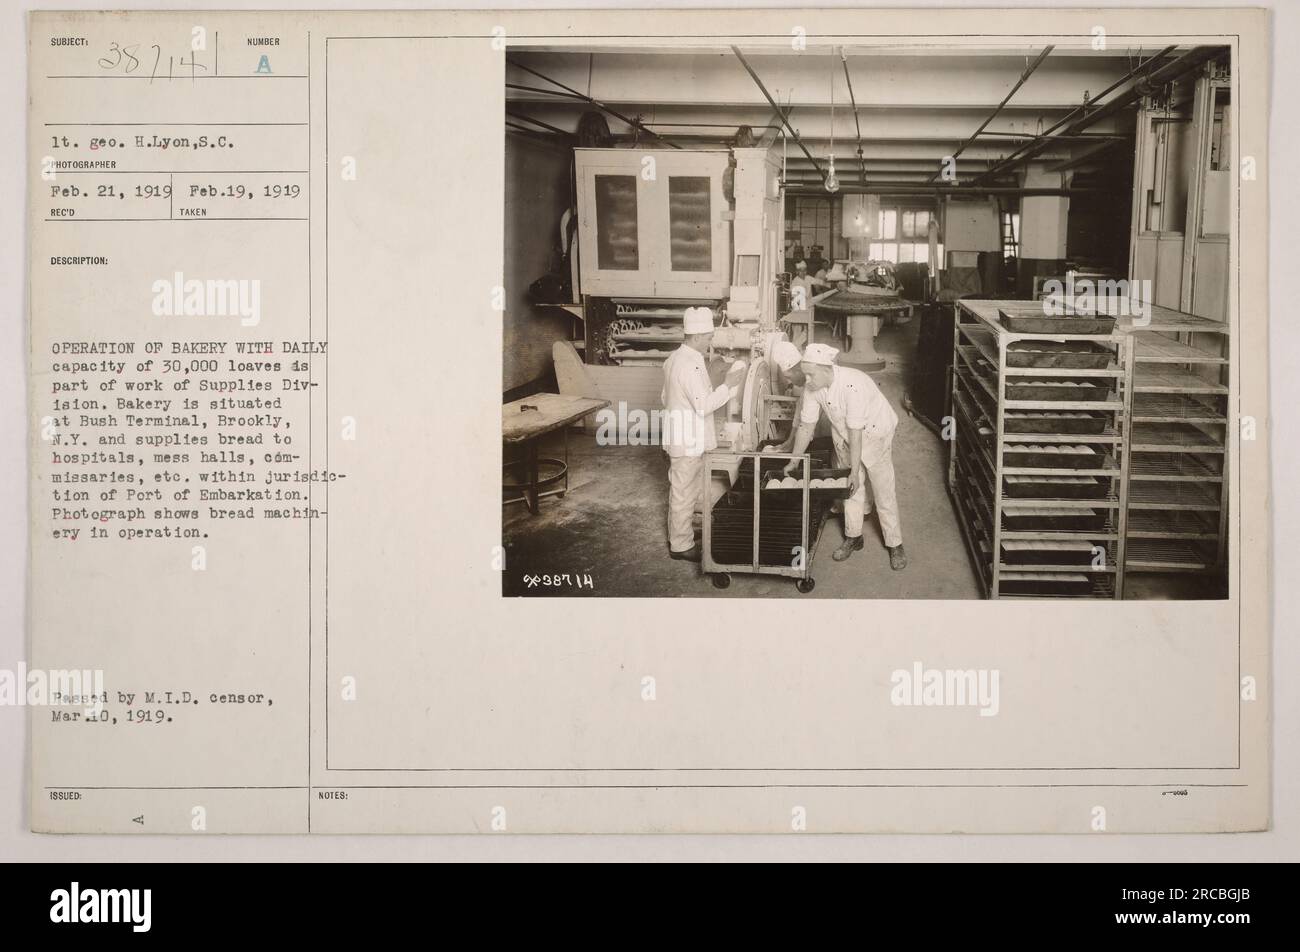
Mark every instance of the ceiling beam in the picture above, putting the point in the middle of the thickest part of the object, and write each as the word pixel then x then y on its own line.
pixel 875 154
pixel 923 188
pixel 634 123
pixel 950 125
pixel 1028 71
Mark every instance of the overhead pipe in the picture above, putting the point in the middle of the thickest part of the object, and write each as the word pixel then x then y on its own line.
pixel 537 122
pixel 1166 74
pixel 781 133
pixel 1028 71
pixel 848 80
pixel 1073 126
pixel 545 92
pixel 1082 107
pixel 634 123
pixel 1082 137
pixel 772 102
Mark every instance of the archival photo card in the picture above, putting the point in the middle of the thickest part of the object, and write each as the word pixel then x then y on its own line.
pixel 880 399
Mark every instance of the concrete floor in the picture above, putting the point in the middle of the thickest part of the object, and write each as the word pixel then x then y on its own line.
pixel 612 524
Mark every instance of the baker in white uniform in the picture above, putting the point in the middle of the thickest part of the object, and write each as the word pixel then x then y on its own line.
pixel 688 431
pixel 862 430
pixel 801 301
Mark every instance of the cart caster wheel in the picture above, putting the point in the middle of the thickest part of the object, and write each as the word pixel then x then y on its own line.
pixel 805 585
pixel 721 580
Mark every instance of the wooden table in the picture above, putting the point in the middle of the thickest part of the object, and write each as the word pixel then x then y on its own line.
pixel 526 421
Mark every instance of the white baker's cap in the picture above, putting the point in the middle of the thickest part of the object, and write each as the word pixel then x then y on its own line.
pixel 820 354
pixel 698 320
pixel 785 354
pixel 801 264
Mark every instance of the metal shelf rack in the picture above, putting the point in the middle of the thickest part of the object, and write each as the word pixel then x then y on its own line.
pixel 1037 467
pixel 1177 500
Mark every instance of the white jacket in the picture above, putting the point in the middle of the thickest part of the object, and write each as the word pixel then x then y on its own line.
pixel 853 402
pixel 689 401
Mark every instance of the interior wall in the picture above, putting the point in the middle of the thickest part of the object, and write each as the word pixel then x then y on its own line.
pixel 536 195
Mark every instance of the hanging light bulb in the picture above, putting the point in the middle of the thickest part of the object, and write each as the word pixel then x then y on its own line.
pixel 832 183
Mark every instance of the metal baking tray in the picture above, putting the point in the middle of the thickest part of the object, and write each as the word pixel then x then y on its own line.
pixel 1053 456
pixel 1047 519
pixel 1066 391
pixel 1053 421
pixel 1089 324
pixel 1045 552
pixel 1044 583
pixel 1056 487
pixel 1059 354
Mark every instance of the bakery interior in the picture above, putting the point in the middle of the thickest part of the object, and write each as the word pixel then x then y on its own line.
pixel 1026 250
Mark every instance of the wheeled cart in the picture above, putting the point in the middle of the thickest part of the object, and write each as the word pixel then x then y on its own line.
pixel 754 528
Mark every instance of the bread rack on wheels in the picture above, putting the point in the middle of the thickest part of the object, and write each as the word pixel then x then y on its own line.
pixel 758 528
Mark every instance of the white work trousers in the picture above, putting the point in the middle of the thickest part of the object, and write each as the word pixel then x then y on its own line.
pixel 685 474
pixel 878 487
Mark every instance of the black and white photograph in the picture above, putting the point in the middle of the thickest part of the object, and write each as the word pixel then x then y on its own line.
pixel 875 321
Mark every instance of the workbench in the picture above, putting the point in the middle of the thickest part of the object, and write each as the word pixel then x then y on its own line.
pixel 524 422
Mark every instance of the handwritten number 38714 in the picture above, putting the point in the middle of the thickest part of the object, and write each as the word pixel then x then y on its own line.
pixel 125 59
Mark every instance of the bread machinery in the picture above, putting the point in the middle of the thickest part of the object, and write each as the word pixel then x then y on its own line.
pixel 745 423
pixel 662 230
pixel 750 328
